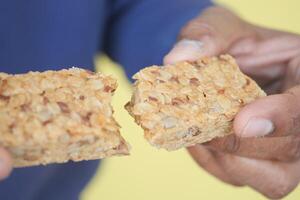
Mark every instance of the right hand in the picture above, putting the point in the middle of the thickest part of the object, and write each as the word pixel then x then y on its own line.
pixel 270 164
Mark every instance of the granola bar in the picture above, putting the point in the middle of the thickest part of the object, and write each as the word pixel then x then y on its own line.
pixel 56 116
pixel 190 102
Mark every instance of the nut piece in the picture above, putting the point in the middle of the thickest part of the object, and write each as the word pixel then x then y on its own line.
pixel 52 117
pixel 198 100
pixel 169 122
pixel 63 107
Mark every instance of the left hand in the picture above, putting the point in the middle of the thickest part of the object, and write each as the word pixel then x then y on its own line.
pixel 270 164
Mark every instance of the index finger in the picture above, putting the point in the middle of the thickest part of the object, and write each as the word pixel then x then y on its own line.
pixel 267 148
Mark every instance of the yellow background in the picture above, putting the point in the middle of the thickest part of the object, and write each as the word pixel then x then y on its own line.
pixel 151 174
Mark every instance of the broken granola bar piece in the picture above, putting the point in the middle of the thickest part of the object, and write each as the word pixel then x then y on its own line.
pixel 190 102
pixel 56 116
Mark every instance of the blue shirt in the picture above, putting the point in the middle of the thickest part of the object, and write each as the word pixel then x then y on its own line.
pixel 38 35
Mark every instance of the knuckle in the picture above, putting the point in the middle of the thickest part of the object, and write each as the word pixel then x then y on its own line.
pixel 232 144
pixel 293 153
pixel 295 63
pixel 196 28
pixel 294 71
pixel 291 98
pixel 288 101
pixel 292 93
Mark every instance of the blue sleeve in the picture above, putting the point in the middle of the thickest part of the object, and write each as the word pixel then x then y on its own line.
pixel 143 31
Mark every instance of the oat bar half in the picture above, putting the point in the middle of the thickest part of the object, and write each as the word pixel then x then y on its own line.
pixel 190 102
pixel 56 116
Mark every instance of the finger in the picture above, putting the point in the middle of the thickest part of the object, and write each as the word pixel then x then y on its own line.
pixel 270 51
pixel 270 78
pixel 216 28
pixel 271 44
pixel 274 87
pixel 5 164
pixel 269 58
pixel 265 75
pixel 267 148
pixel 272 179
pixel 243 47
pixel 292 74
pixel 205 158
pixel 185 49
pixel 274 115
pixel 281 43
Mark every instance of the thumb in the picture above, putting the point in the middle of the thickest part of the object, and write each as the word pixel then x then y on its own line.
pixel 212 33
pixel 275 115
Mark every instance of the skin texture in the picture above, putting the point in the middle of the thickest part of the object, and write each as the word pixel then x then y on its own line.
pixel 269 164
pixel 5 164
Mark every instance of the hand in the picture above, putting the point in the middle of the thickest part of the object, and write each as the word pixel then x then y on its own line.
pixel 269 164
pixel 5 164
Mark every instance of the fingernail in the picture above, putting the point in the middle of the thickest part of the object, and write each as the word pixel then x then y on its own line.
pixel 184 50
pixel 186 43
pixel 257 127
